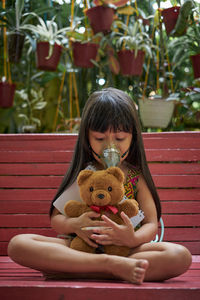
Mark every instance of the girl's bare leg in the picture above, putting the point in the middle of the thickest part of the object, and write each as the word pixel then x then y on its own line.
pixel 51 255
pixel 166 260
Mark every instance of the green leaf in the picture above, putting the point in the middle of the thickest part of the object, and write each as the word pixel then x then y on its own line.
pixel 19 6
pixel 23 116
pixel 36 121
pixel 39 105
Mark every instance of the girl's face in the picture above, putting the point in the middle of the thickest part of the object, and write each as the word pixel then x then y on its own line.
pixel 98 140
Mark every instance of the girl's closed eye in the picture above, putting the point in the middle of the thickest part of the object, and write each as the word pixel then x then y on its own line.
pixel 121 136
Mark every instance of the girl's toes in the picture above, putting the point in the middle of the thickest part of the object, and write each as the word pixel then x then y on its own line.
pixel 139 272
pixel 143 264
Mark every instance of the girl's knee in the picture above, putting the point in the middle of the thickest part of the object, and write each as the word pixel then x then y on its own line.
pixel 180 257
pixel 16 245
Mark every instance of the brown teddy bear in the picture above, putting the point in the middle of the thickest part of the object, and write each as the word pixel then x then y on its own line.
pixel 102 192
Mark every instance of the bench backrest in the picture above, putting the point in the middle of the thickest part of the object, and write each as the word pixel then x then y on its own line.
pixel 32 167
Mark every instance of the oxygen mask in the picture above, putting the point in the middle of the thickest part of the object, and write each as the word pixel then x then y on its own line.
pixel 110 156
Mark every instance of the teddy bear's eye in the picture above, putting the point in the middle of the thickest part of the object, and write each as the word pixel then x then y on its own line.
pixel 109 188
pixel 91 189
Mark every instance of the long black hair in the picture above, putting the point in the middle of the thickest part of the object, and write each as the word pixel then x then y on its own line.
pixel 109 108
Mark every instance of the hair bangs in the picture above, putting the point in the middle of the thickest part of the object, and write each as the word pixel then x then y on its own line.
pixel 109 113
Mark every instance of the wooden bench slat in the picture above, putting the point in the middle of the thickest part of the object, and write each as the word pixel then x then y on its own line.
pixel 28 194
pixel 24 220
pixel 182 234
pixel 48 194
pixel 192 246
pixel 66 156
pixel 173 155
pixel 34 169
pixel 179 194
pixel 173 142
pixel 42 220
pixel 174 220
pixel 84 290
pixel 167 140
pixel 60 169
pixel 30 181
pixel 174 181
pixel 183 207
pixel 171 234
pixel 35 157
pixel 8 233
pixel 24 207
pixel 31 206
pixel 174 168
pixel 55 143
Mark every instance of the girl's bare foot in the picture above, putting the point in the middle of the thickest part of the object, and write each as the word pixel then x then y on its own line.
pixel 129 269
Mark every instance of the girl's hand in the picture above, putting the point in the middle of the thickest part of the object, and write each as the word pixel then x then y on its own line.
pixel 114 234
pixel 84 221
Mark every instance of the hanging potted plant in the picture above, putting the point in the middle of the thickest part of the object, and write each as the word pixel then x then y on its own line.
pixel 156 108
pixel 7 88
pixel 170 17
pixel 14 19
pixel 156 111
pixel 132 45
pixel 49 39
pixel 101 17
pixel 7 92
pixel 188 47
pixel 29 102
pixel 175 18
pixel 84 47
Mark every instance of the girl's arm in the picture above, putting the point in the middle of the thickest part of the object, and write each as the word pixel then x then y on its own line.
pixel 149 227
pixel 65 225
pixel 61 224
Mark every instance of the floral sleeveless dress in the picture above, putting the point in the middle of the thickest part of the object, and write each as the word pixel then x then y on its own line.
pixel 131 183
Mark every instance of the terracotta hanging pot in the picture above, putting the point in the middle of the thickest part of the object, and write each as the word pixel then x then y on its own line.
pixel 7 92
pixel 15 46
pixel 45 63
pixel 83 53
pixel 101 18
pixel 170 16
pixel 129 64
pixel 196 65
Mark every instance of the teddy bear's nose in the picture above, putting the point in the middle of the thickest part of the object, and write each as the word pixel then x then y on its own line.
pixel 100 196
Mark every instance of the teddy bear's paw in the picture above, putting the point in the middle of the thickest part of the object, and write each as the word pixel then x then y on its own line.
pixel 129 207
pixel 80 245
pixel 72 208
pixel 117 250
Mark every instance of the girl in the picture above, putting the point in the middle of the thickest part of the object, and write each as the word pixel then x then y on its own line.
pixel 109 116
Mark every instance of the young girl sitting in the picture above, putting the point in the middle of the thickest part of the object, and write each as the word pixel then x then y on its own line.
pixel 109 117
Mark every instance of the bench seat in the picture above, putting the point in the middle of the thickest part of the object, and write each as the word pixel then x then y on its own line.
pixel 31 169
pixel 17 282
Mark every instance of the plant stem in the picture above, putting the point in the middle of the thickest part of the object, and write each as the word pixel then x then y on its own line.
pixel 29 90
pixel 162 58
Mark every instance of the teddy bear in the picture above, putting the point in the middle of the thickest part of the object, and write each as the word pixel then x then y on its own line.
pixel 101 191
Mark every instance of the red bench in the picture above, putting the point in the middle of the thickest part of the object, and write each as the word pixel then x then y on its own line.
pixel 31 169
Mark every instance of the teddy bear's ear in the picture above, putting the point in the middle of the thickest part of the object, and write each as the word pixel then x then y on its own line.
pixel 115 171
pixel 83 175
